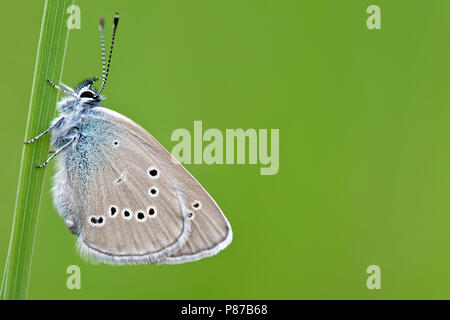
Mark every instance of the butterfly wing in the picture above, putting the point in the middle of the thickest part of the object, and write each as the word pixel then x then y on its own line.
pixel 105 192
pixel 210 230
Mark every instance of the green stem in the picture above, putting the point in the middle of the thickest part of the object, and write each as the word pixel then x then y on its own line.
pixel 49 62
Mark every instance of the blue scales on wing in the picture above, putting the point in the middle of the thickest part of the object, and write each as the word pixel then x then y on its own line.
pixel 130 201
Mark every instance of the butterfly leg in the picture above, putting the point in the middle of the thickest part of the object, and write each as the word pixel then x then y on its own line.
pixel 56 153
pixel 46 131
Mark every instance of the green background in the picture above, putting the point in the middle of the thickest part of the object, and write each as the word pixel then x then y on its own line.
pixel 364 119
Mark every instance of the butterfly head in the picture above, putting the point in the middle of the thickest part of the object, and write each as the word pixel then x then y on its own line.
pixel 85 96
pixel 85 90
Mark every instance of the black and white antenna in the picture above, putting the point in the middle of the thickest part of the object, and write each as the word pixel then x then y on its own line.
pixel 105 70
pixel 69 93
pixel 102 40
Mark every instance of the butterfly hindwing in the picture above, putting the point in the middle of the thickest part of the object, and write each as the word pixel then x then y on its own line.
pixel 130 201
pixel 210 230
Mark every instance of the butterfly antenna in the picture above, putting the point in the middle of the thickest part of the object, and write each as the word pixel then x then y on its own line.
pixel 102 40
pixel 62 90
pixel 105 73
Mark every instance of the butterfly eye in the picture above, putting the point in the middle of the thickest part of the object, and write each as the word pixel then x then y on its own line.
pixel 87 94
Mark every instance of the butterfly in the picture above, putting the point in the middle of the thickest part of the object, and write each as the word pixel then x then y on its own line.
pixel 125 197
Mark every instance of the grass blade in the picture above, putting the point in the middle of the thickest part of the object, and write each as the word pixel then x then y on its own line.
pixel 49 61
